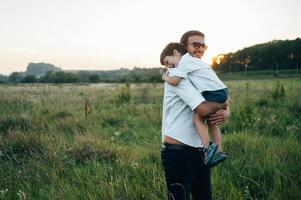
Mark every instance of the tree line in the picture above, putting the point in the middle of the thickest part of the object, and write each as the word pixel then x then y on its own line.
pixel 277 54
pixel 136 75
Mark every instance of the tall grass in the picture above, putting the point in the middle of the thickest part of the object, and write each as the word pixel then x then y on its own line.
pixel 50 148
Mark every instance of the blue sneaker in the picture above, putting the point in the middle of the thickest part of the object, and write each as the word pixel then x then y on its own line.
pixel 219 157
pixel 209 153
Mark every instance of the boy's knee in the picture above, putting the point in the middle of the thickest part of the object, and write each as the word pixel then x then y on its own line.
pixel 197 116
pixel 202 110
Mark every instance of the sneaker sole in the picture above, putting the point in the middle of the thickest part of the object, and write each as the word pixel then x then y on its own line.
pixel 213 164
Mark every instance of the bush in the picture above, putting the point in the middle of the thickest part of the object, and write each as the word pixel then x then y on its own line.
pixel 295 108
pixel 123 95
pixel 144 95
pixel 29 79
pixel 87 149
pixel 262 102
pixel 72 126
pixel 18 147
pixel 20 123
pixel 94 78
pixel 278 93
pixel 62 114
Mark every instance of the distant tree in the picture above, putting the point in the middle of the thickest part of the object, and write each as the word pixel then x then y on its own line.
pixel 29 79
pixel 63 77
pixel 15 77
pixel 46 78
pixel 59 77
pixel 94 78
pixel 84 76
pixel 3 78
pixel 136 75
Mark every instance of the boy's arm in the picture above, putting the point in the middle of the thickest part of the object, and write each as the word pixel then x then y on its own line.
pixel 174 76
pixel 172 80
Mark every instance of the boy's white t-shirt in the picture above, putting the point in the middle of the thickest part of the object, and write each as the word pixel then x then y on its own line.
pixel 198 72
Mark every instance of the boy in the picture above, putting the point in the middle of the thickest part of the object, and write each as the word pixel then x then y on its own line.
pixel 184 65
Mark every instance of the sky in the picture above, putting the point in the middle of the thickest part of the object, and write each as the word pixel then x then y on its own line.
pixel 113 34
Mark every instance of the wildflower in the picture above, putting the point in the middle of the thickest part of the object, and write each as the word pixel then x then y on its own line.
pixel 117 133
pixel 21 194
pixel 3 192
pixel 134 165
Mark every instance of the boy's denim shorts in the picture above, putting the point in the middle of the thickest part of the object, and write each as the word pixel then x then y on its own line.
pixel 219 96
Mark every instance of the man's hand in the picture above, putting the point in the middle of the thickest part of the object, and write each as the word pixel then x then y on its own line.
pixel 219 117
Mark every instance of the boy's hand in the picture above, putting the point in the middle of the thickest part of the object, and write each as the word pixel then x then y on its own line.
pixel 164 76
pixel 219 117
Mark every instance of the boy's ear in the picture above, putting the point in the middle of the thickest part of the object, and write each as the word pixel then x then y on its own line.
pixel 176 53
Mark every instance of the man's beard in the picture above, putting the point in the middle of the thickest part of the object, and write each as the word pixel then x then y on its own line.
pixel 199 54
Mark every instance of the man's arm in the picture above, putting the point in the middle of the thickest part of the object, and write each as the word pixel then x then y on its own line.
pixel 220 116
pixel 193 98
pixel 207 108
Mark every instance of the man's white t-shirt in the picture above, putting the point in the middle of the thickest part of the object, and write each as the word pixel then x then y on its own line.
pixel 198 72
pixel 177 116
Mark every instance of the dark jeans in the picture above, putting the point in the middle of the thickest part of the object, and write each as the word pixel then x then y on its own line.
pixel 186 173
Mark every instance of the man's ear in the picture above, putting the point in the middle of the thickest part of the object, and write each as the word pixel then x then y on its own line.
pixel 176 53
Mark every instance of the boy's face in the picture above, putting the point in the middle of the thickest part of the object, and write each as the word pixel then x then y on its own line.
pixel 196 46
pixel 171 61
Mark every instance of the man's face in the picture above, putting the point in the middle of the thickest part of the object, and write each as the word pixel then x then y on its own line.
pixel 171 61
pixel 196 46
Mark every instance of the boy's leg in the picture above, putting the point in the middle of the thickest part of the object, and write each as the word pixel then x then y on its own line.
pixel 220 156
pixel 216 136
pixel 209 150
pixel 202 129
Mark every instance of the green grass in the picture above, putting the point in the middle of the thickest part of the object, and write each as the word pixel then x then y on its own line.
pixel 49 149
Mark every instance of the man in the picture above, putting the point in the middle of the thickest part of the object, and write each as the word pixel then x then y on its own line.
pixel 182 154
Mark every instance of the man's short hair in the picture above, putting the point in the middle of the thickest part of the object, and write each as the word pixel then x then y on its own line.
pixel 185 36
pixel 168 50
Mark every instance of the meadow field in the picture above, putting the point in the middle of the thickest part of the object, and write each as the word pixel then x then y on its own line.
pixel 103 141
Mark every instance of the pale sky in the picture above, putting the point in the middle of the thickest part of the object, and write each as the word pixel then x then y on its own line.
pixel 110 34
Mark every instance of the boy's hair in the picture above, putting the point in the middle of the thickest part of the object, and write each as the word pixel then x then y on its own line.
pixel 185 36
pixel 168 50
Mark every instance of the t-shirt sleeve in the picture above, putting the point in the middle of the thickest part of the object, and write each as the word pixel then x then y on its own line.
pixel 189 94
pixel 190 64
pixel 177 72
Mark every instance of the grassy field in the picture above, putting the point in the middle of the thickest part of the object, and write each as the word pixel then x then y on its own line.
pixel 51 148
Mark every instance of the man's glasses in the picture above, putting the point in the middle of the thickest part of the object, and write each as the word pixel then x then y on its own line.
pixel 198 45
